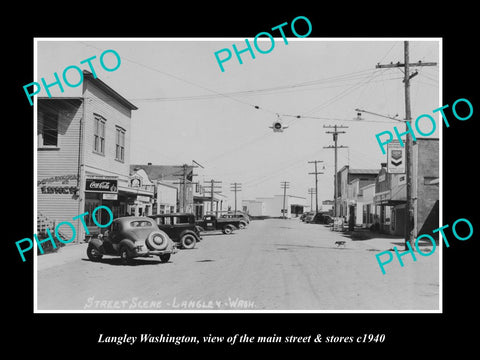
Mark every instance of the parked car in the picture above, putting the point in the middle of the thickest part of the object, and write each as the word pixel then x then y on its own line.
pixel 322 218
pixel 243 220
pixel 130 237
pixel 211 223
pixel 180 227
pixel 305 214
pixel 309 217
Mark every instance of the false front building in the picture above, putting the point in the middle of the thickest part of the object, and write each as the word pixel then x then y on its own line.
pixel 83 157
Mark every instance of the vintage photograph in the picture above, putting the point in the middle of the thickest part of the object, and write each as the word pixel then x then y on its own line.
pixel 266 174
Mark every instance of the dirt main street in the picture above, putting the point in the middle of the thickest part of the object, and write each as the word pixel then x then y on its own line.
pixel 272 265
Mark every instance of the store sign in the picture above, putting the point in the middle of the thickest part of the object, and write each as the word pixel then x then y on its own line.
pixel 145 199
pixel 61 184
pixel 109 196
pixel 136 181
pixel 395 158
pixel 101 185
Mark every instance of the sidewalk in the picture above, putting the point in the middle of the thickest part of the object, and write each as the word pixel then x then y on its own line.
pixel 63 255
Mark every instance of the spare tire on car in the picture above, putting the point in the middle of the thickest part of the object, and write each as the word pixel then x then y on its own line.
pixel 157 240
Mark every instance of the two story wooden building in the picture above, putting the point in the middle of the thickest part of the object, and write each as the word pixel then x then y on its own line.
pixel 83 156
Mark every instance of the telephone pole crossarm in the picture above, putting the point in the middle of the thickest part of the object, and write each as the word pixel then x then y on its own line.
pixel 316 180
pixel 336 147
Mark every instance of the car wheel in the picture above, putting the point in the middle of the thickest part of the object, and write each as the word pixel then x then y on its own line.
pixel 188 241
pixel 124 255
pixel 242 225
pixel 227 230
pixel 164 257
pixel 93 253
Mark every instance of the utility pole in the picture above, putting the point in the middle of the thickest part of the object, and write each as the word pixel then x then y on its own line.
pixel 312 191
pixel 235 187
pixel 284 185
pixel 335 138
pixel 183 183
pixel 316 181
pixel 410 209
pixel 214 189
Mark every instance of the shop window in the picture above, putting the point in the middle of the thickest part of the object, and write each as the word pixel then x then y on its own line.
pixel 120 144
pixel 48 131
pixel 99 135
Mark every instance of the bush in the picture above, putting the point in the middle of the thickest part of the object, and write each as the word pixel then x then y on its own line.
pixel 47 246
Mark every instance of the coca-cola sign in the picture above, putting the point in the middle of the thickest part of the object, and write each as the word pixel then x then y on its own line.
pixel 101 185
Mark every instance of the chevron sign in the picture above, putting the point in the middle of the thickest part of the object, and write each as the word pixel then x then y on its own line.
pixel 395 158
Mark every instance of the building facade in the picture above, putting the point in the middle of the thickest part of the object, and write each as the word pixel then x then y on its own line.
pixel 349 182
pixel 274 206
pixel 83 155
pixel 390 193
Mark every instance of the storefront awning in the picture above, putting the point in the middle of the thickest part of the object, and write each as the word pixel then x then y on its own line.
pixel 134 191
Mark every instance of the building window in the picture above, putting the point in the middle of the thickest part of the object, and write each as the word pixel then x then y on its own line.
pixel 99 135
pixel 48 131
pixel 120 144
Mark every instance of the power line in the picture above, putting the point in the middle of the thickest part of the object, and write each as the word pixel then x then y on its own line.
pixel 316 172
pixel 184 80
pixel 335 138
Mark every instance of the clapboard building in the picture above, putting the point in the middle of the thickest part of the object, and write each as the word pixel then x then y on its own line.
pixel 83 156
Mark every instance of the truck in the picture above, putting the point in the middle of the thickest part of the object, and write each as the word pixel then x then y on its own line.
pixel 212 223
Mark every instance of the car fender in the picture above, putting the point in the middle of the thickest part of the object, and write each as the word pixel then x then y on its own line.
pixel 128 244
pixel 97 243
pixel 185 232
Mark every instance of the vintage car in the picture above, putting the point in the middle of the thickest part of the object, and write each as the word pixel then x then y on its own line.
pixel 305 214
pixel 180 227
pixel 309 217
pixel 212 223
pixel 321 218
pixel 130 237
pixel 243 220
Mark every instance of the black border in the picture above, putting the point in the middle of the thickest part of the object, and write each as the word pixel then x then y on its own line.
pixel 78 333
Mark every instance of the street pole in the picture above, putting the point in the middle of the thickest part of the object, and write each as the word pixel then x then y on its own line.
pixel 213 187
pixel 311 191
pixel 284 185
pixel 408 154
pixel 335 137
pixel 316 181
pixel 409 206
pixel 183 183
pixel 235 187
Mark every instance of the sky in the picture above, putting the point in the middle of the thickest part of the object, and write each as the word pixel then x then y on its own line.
pixel 188 109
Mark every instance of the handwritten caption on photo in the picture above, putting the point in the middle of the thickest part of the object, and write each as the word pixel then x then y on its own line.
pixel 136 303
